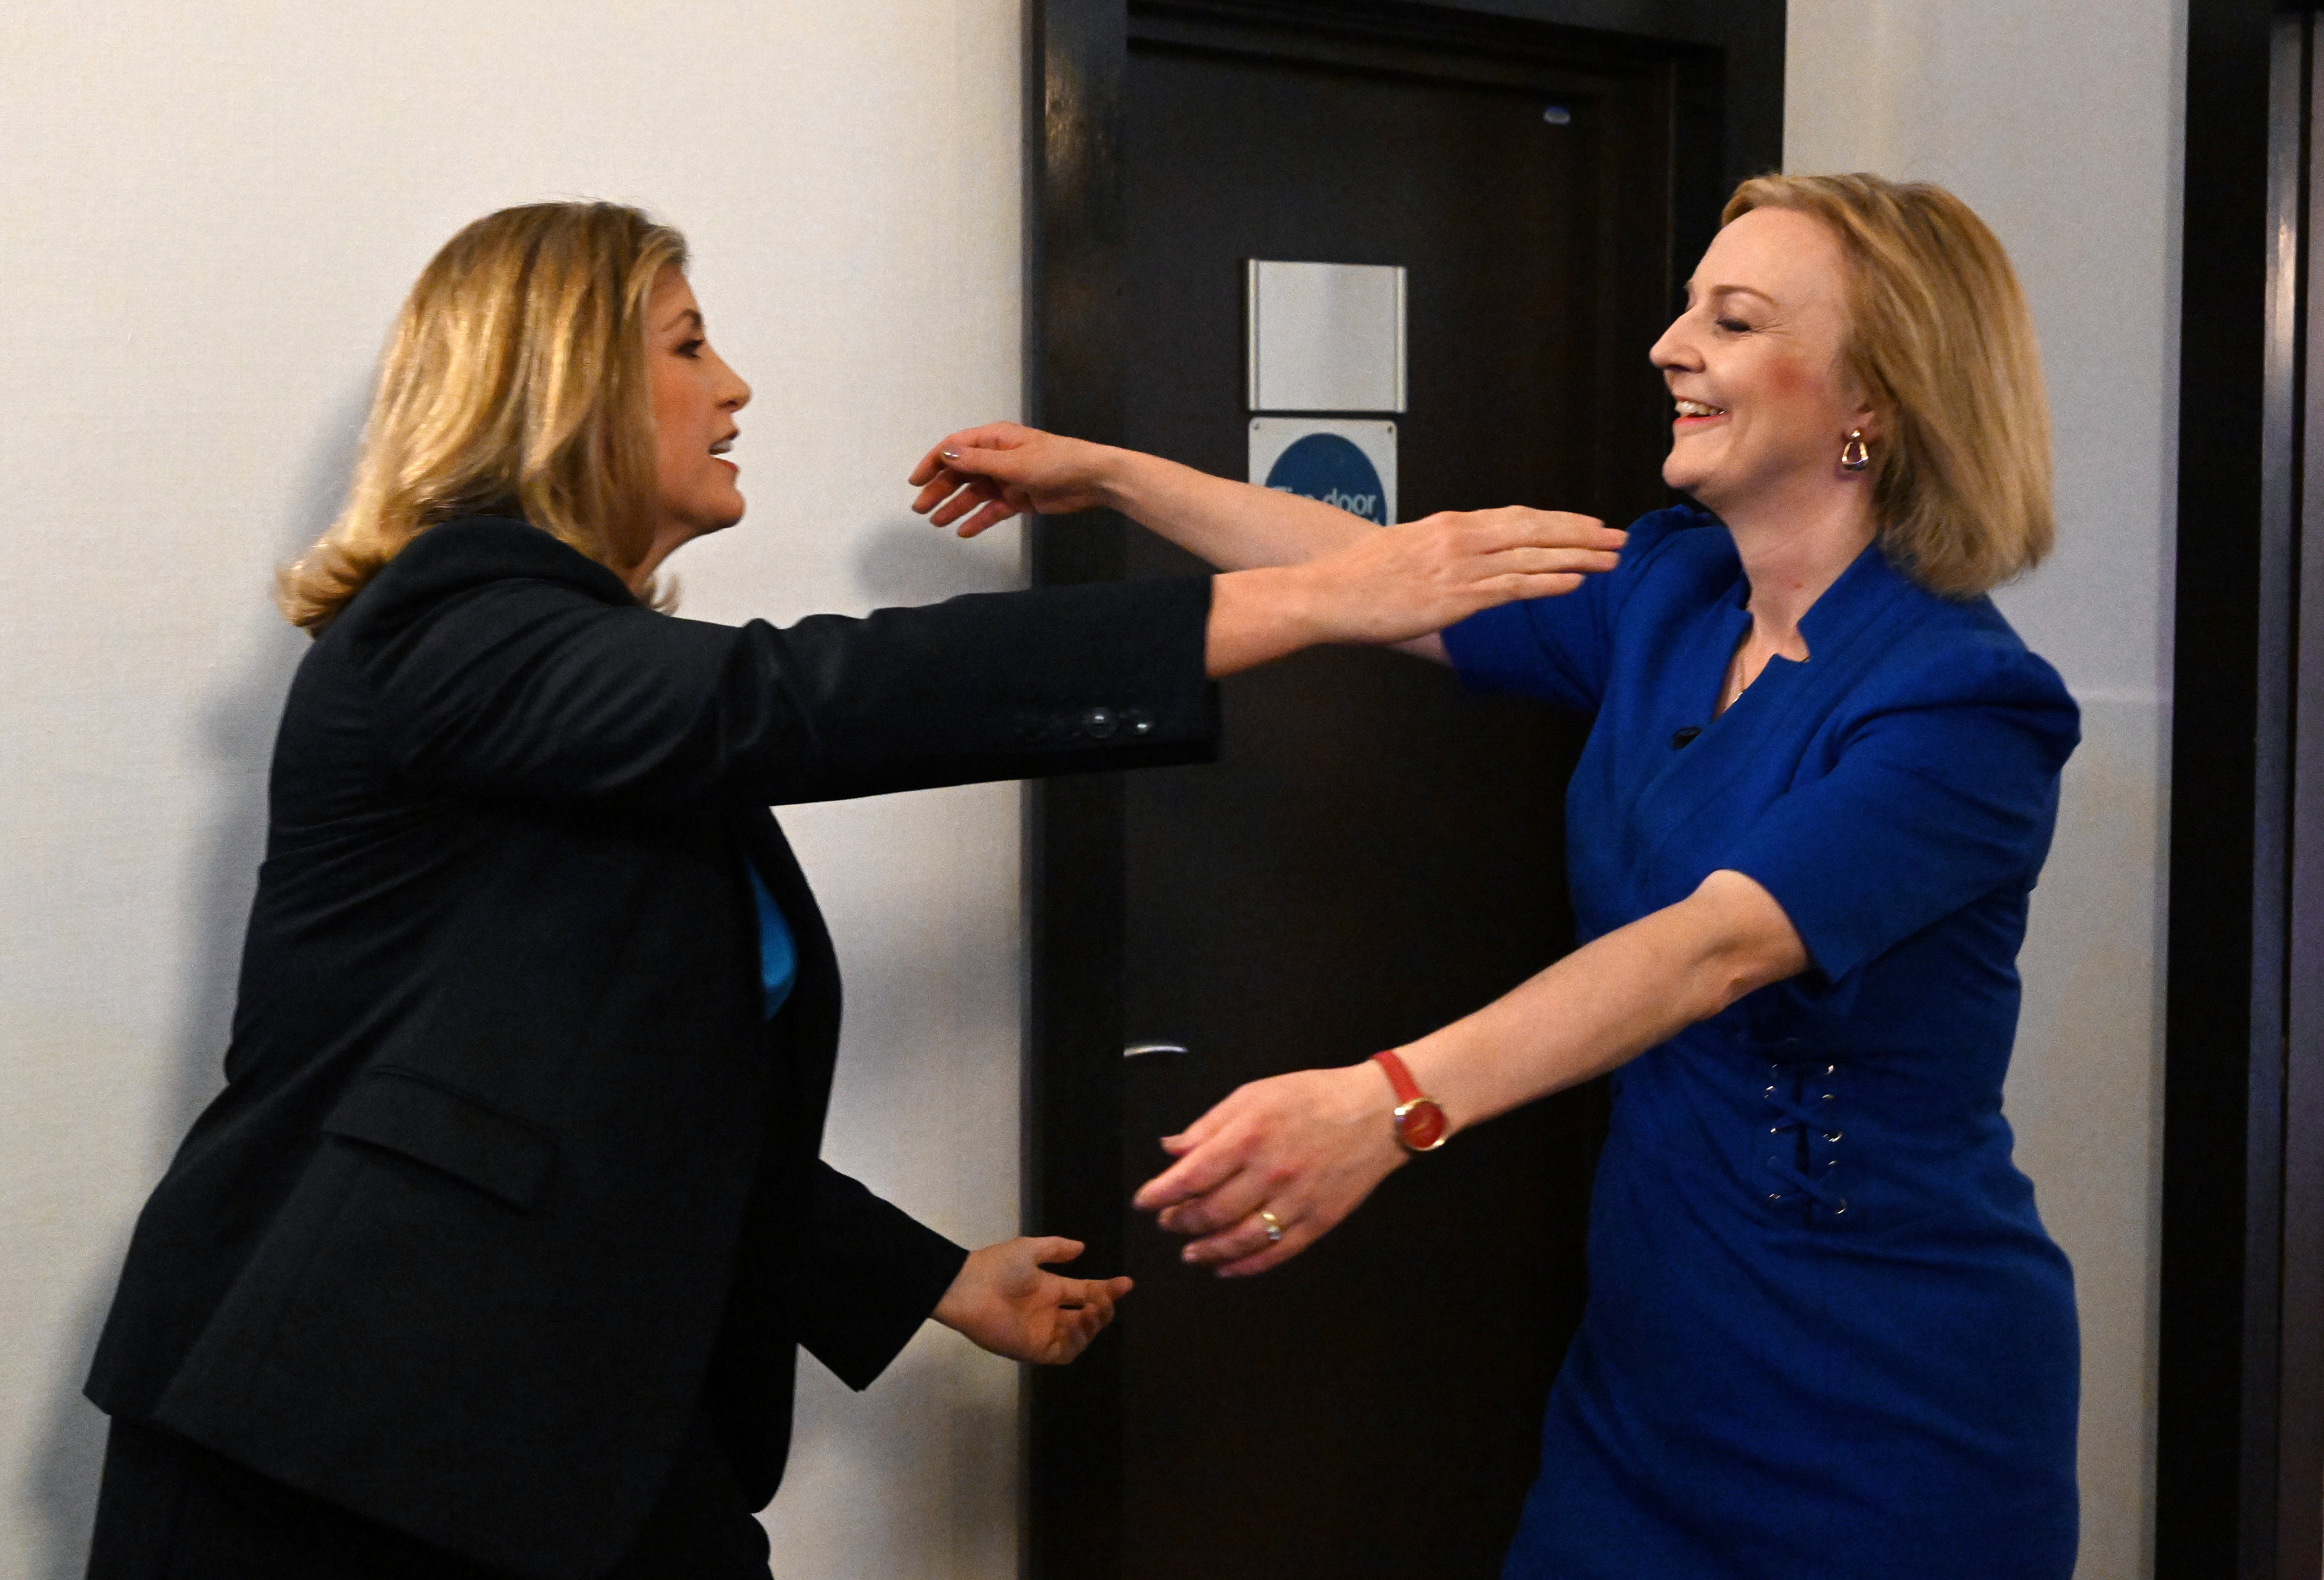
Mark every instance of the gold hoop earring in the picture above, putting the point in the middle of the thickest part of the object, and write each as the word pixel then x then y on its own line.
pixel 1853 455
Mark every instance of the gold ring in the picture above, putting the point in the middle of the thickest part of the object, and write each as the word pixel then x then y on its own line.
pixel 1274 1226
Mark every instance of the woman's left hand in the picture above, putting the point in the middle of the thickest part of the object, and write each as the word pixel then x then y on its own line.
pixel 1006 1302
pixel 1306 1148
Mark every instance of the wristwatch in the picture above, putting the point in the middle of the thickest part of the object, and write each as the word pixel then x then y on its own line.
pixel 1419 1123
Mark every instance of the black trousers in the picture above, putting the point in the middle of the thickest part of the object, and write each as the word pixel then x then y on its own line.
pixel 171 1509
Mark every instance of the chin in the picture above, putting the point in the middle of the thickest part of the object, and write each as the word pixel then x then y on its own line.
pixel 721 516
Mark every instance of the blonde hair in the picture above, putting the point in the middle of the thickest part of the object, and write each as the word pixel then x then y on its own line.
pixel 515 381
pixel 1941 341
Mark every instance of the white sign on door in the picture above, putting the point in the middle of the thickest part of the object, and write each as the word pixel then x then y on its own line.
pixel 1342 461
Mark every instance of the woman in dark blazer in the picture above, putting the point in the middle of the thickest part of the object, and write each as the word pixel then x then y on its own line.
pixel 493 1256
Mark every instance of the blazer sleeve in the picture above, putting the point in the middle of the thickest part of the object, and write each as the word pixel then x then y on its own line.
pixel 533 689
pixel 872 1274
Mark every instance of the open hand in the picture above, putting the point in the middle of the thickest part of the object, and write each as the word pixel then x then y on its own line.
pixel 1006 1302
pixel 1306 1147
pixel 1422 576
pixel 982 476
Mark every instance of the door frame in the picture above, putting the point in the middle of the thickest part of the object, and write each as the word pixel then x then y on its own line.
pixel 2239 1466
pixel 1728 59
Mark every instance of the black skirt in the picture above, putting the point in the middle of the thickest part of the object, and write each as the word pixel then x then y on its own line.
pixel 171 1509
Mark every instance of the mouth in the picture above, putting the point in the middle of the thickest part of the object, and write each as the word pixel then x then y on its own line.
pixel 1692 413
pixel 718 450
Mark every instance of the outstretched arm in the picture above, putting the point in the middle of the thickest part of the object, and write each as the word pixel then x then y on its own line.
pixel 1381 588
pixel 982 476
pixel 1308 1147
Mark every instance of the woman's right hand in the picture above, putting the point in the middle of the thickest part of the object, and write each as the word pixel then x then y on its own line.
pixel 1417 578
pixel 1402 583
pixel 982 476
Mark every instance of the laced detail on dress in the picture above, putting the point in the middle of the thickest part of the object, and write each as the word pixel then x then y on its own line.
pixel 1803 1135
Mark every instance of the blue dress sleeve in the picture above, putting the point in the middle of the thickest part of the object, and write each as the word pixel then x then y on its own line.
pixel 1944 789
pixel 1560 649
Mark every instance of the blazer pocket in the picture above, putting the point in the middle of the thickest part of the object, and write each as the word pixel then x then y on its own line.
pixel 410 1115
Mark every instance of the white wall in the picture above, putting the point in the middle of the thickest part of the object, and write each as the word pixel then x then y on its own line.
pixel 209 213
pixel 2059 121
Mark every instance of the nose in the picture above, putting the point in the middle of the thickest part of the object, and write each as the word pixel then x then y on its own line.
pixel 1676 351
pixel 734 392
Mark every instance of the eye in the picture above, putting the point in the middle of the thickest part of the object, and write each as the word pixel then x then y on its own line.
pixel 691 348
pixel 1734 326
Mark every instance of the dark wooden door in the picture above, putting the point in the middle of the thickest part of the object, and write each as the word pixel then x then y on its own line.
pixel 1376 852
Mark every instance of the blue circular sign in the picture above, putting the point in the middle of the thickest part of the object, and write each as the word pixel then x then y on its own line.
pixel 1330 468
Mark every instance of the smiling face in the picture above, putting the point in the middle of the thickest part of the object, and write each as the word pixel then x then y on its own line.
pixel 696 396
pixel 1763 402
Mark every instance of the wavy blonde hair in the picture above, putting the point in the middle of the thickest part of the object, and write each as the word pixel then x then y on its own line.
pixel 515 381
pixel 1942 342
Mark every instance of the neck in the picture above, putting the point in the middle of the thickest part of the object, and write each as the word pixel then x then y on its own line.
pixel 667 538
pixel 1794 543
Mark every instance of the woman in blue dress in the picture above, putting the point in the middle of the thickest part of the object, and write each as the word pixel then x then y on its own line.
pixel 1826 1333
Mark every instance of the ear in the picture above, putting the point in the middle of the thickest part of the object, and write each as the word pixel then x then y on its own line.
pixel 1868 419
pixel 1856 396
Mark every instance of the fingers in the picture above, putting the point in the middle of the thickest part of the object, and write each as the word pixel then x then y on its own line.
pixel 1083 1309
pixel 929 464
pixel 1533 561
pixel 1200 1164
pixel 1238 1197
pixel 1515 588
pixel 1052 1248
pixel 992 515
pixel 1092 1294
pixel 953 493
pixel 1212 1121
pixel 1200 1170
pixel 1266 1256
pixel 1514 526
pixel 949 494
pixel 991 435
pixel 1244 1248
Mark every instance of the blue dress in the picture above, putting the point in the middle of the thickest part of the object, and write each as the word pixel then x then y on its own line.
pixel 1826 1333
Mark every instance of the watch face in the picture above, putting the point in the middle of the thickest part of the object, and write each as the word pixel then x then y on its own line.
pixel 1420 1125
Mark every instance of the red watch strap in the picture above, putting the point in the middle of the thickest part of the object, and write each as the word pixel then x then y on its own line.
pixel 1407 1090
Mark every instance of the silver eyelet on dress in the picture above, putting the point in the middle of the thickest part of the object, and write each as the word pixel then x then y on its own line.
pixel 1807 1178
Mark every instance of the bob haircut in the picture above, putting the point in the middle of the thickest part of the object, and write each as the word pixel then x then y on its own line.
pixel 1942 343
pixel 515 381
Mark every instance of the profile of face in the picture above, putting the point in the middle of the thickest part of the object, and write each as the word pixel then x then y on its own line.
pixel 1754 364
pixel 696 396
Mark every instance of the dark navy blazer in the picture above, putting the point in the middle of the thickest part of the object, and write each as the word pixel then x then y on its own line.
pixel 510 1173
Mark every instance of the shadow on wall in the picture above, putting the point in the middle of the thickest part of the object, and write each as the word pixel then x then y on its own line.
pixel 238 725
pixel 907 562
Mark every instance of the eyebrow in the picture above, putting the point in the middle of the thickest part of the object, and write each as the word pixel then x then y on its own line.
pixel 684 313
pixel 1726 290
